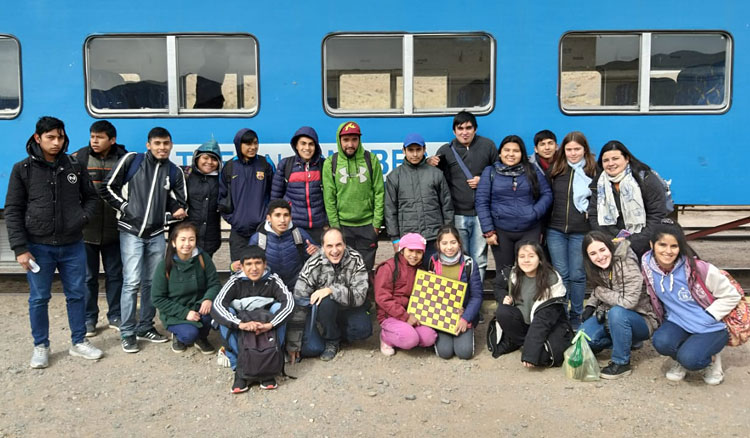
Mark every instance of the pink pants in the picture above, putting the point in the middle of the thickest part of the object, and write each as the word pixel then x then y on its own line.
pixel 399 334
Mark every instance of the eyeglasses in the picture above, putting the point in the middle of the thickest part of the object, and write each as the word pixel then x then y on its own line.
pixel 667 221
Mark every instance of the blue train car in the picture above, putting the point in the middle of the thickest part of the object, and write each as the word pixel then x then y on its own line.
pixel 658 76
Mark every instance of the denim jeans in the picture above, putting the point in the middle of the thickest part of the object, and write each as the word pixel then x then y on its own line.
pixel 692 350
pixel 230 336
pixel 70 261
pixel 623 328
pixel 139 260
pixel 188 333
pixel 567 258
pixel 110 255
pixel 473 241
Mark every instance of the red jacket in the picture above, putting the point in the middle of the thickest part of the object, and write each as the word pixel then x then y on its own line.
pixel 393 298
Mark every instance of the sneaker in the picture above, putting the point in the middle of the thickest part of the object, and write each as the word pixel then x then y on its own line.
pixel 240 385
pixel 222 359
pixel 204 346
pixel 85 350
pixel 615 371
pixel 332 348
pixel 40 357
pixel 636 345
pixel 115 324
pixel 386 349
pixel 152 336
pixel 269 384
pixel 713 374
pixel 130 344
pixel 90 329
pixel 177 346
pixel 676 373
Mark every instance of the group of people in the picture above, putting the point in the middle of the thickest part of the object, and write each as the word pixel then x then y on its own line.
pixel 304 236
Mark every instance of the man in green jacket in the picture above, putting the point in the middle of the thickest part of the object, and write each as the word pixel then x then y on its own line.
pixel 353 192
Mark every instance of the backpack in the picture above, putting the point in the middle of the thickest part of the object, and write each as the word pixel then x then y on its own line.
pixel 667 186
pixel 738 320
pixel 74 163
pixel 136 163
pixel 298 241
pixel 260 356
pixel 368 160
pixel 494 336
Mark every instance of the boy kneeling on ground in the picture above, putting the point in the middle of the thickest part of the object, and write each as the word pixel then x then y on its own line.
pixel 252 288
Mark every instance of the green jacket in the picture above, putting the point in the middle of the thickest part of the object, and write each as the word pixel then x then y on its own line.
pixel 188 285
pixel 353 199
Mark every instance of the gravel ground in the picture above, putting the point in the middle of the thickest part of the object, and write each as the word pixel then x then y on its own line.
pixel 361 393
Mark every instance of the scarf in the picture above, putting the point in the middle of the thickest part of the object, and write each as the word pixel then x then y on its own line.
pixel 450 261
pixel 514 171
pixel 631 201
pixel 581 181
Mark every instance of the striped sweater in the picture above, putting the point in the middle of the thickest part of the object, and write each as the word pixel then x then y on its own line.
pixel 239 287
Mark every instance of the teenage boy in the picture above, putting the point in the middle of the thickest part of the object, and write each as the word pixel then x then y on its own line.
pixel 417 198
pixel 462 161
pixel 244 192
pixel 253 287
pixel 100 234
pixel 545 146
pixel 298 181
pixel 50 198
pixel 353 192
pixel 287 247
pixel 149 191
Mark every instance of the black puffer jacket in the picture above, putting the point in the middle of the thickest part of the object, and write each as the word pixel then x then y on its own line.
pixel 417 200
pixel 102 226
pixel 146 201
pixel 564 216
pixel 47 203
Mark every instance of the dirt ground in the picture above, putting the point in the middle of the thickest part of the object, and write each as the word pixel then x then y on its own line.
pixel 361 393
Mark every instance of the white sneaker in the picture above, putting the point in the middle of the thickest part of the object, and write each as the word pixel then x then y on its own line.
pixel 85 350
pixel 386 349
pixel 222 359
pixel 676 373
pixel 40 357
pixel 713 374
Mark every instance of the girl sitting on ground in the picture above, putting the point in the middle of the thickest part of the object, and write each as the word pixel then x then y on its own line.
pixel 450 261
pixel 183 288
pixel 394 280
pixel 618 313
pixel 531 309
pixel 680 284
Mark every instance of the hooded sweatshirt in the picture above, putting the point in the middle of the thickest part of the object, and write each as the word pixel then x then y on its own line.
pixel 303 188
pixel 47 203
pixel 352 198
pixel 249 181
pixel 203 197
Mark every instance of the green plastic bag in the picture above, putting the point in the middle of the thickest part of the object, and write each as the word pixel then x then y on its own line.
pixel 579 361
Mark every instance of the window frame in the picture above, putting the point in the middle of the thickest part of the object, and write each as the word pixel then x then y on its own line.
pixel 14 113
pixel 173 109
pixel 644 106
pixel 408 109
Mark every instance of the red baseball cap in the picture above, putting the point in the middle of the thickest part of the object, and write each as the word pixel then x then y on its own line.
pixel 350 128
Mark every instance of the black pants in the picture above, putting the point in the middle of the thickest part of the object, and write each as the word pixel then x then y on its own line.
pixel 514 327
pixel 505 251
pixel 337 321
pixel 237 245
pixel 364 240
pixel 315 234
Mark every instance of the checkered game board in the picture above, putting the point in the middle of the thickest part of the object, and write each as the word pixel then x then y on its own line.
pixel 436 301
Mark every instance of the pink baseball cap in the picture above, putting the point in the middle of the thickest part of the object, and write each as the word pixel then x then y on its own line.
pixel 412 241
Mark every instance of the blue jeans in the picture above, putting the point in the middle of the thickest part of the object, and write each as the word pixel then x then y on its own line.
pixel 230 336
pixel 567 257
pixel 472 240
pixel 692 350
pixel 188 333
pixel 338 322
pixel 623 328
pixel 110 254
pixel 139 260
pixel 70 261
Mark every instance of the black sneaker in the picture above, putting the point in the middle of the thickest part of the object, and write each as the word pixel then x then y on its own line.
pixel 332 348
pixel 615 371
pixel 269 384
pixel 130 344
pixel 152 336
pixel 114 324
pixel 90 329
pixel 240 385
pixel 204 346
pixel 177 346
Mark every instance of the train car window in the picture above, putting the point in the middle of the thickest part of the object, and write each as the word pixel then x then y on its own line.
pixel 408 74
pixel 157 75
pixel 10 77
pixel 644 72
pixel 217 73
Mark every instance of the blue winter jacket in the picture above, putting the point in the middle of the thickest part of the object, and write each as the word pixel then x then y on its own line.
pixel 250 187
pixel 304 187
pixel 282 254
pixel 500 207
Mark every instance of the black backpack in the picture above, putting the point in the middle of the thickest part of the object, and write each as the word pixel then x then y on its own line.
pixel 260 356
